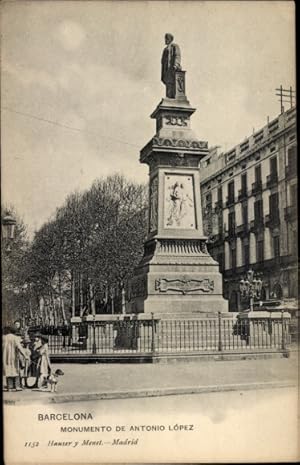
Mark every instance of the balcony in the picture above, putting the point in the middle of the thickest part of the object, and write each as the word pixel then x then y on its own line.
pixel 272 180
pixel 290 213
pixel 230 232
pixel 256 224
pixel 272 220
pixel 242 229
pixel 256 187
pixel 218 205
pixel 291 171
pixel 242 195
pixel 229 201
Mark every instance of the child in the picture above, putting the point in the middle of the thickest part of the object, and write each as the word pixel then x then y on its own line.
pixel 44 365
pixel 24 362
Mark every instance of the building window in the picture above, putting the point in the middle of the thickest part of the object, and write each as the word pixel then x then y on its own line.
pixel 260 250
pixel 244 184
pixel 230 156
pixel 274 206
pixel 233 257
pixel 246 252
pixel 245 214
pixel 273 167
pixel 231 192
pixel 258 175
pixel 294 243
pixel 276 246
pixel 293 195
pixel 258 211
pixel 231 222
pixel 244 146
pixel 292 157
pixel 220 195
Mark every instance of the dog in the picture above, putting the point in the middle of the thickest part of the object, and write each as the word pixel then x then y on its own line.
pixel 52 380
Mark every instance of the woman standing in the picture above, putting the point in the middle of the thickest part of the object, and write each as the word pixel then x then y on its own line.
pixel 11 350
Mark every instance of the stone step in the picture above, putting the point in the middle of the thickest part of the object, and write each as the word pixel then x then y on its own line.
pixel 189 316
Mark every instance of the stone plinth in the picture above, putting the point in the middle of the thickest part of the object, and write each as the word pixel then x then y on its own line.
pixel 259 315
pixel 176 274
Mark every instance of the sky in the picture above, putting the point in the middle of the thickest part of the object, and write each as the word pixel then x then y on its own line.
pixel 80 79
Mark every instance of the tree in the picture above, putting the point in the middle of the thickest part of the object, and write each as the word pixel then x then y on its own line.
pixel 91 246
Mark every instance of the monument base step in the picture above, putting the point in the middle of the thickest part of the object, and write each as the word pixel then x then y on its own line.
pixel 188 315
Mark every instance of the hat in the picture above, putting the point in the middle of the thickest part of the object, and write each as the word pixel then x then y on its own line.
pixel 44 338
pixel 26 340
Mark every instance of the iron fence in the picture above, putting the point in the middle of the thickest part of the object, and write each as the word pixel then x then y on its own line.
pixel 171 336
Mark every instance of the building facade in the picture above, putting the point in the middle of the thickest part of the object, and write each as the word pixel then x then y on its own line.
pixel 249 204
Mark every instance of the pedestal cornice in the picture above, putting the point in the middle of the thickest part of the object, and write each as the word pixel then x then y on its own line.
pixel 179 105
pixel 165 144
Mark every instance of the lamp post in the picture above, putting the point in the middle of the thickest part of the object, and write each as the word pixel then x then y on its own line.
pixel 251 287
pixel 94 347
pixel 8 228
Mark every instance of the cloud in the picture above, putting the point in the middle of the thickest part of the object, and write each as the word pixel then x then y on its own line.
pixel 71 35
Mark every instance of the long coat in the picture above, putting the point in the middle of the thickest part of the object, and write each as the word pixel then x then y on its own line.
pixel 24 364
pixel 170 61
pixel 44 365
pixel 11 349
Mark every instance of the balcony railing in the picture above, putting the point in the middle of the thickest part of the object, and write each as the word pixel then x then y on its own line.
pixel 242 229
pixel 242 194
pixel 229 201
pixel 256 187
pixel 290 213
pixel 272 180
pixel 272 220
pixel 291 171
pixel 218 205
pixel 230 232
pixel 256 224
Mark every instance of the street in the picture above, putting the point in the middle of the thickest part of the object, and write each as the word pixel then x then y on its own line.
pixel 85 380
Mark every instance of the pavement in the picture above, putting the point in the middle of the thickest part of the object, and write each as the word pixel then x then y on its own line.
pixel 83 382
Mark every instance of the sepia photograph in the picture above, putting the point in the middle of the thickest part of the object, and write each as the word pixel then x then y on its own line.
pixel 149 232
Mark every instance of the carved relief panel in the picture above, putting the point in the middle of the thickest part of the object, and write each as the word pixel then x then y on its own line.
pixel 184 285
pixel 179 205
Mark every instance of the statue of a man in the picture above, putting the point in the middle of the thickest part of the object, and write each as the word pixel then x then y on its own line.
pixel 170 62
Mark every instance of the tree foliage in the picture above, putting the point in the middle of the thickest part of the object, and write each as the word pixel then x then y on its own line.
pixel 97 235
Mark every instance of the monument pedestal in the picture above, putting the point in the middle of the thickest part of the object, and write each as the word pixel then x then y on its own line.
pixel 176 274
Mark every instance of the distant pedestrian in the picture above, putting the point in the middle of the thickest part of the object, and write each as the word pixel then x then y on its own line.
pixel 18 328
pixel 66 334
pixel 11 350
